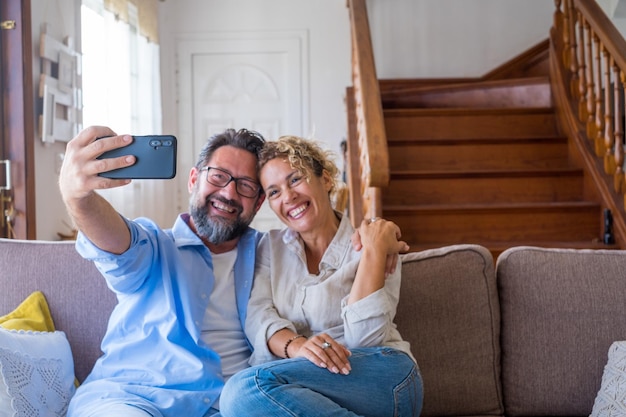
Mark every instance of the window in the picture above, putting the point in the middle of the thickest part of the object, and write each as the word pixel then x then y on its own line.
pixel 121 77
pixel 122 90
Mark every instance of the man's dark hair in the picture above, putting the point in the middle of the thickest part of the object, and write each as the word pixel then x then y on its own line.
pixel 248 140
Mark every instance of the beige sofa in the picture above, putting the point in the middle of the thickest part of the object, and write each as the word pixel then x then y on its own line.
pixel 525 336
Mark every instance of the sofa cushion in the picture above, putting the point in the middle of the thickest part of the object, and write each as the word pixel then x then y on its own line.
pixel 77 295
pixel 561 310
pixel 449 312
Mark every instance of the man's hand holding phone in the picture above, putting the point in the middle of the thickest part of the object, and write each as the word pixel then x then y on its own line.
pixel 79 178
pixel 155 158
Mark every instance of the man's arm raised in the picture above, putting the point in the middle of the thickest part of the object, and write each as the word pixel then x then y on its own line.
pixel 78 180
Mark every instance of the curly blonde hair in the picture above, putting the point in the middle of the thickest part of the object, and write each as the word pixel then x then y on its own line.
pixel 305 155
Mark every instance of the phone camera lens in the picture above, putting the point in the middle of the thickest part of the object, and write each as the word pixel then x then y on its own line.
pixel 155 142
pixel 167 143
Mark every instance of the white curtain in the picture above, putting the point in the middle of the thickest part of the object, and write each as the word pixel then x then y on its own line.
pixel 122 90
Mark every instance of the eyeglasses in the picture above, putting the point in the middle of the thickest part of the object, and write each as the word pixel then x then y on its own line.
pixel 221 178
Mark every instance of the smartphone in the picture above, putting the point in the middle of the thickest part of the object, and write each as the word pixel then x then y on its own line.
pixel 156 158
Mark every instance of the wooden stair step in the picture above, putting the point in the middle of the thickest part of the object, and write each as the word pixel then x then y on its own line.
pixel 561 221
pixel 509 93
pixel 476 140
pixel 513 153
pixel 391 85
pixel 463 187
pixel 481 173
pixel 469 123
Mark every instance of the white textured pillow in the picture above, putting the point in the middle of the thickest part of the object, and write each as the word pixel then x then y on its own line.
pixel 611 399
pixel 36 373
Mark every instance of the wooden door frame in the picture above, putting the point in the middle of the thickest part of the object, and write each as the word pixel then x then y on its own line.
pixel 17 136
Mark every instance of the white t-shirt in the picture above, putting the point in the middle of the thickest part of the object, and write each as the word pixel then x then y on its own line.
pixel 221 329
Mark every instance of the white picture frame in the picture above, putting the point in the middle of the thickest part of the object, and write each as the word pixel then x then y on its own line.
pixel 60 92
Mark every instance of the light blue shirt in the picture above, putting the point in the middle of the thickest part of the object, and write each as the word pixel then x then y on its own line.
pixel 152 347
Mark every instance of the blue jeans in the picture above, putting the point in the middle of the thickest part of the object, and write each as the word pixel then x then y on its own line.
pixel 383 382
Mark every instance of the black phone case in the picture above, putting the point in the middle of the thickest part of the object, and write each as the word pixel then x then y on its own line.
pixel 156 158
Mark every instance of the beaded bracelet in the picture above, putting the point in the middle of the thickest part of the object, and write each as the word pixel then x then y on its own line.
pixel 289 342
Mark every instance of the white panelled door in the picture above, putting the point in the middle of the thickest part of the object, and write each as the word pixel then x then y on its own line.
pixel 257 81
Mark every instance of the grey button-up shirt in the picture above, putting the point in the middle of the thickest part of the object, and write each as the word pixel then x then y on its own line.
pixel 286 295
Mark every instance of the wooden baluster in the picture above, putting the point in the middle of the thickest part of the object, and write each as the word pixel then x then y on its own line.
pixel 620 185
pixel 618 148
pixel 558 16
pixel 582 70
pixel 561 17
pixel 602 97
pixel 591 86
pixel 609 162
pixel 558 29
pixel 572 56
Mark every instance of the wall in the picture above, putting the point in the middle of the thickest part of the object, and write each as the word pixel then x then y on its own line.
pixel 616 10
pixel 63 19
pixel 412 38
pixel 453 38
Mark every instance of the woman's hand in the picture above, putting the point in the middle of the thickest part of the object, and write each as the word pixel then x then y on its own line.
pixel 324 352
pixel 384 237
pixel 392 257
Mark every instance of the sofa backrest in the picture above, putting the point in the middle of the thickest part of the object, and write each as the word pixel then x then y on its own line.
pixel 449 313
pixel 561 310
pixel 79 300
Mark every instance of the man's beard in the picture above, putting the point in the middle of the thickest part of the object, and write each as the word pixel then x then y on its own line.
pixel 218 229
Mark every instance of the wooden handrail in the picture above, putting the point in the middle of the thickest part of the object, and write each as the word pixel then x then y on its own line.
pixel 588 74
pixel 604 29
pixel 366 136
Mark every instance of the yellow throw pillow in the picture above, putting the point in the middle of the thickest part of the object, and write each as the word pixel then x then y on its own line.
pixel 33 314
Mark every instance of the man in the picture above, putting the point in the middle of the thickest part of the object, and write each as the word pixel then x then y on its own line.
pixel 176 333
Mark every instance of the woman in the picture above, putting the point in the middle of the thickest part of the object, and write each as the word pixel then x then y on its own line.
pixel 324 308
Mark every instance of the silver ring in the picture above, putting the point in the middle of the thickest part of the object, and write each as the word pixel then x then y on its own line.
pixel 373 219
pixel 326 345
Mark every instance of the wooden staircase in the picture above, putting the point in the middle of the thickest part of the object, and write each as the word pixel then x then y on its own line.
pixel 483 161
pixel 532 153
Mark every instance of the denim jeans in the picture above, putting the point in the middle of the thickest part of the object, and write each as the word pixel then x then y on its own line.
pixel 383 382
